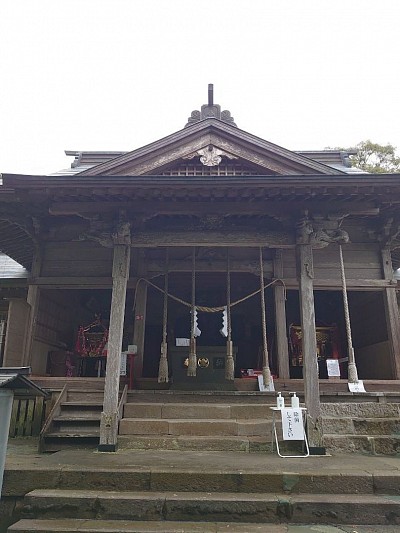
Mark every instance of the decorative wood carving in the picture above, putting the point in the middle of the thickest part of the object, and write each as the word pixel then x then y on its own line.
pixel 210 156
pixel 321 230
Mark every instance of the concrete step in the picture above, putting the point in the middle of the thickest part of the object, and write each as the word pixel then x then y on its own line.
pixel 377 444
pixel 127 526
pixel 214 506
pixel 196 411
pixel 202 427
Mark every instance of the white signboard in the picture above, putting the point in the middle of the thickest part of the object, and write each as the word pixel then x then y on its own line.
pixel 182 342
pixel 333 368
pixel 261 385
pixel 122 368
pixel 132 348
pixel 357 387
pixel 292 424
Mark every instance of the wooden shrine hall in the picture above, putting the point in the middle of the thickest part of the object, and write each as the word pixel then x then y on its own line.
pixel 208 256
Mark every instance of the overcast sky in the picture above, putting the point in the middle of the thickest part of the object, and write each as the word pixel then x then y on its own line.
pixel 118 74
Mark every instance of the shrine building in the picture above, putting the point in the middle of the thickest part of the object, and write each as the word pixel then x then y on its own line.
pixel 207 257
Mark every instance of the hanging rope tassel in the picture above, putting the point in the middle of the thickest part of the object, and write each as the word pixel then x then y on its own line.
pixel 192 366
pixel 266 372
pixel 352 368
pixel 163 366
pixel 230 363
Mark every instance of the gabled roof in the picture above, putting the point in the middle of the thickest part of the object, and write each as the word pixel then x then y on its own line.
pixel 208 134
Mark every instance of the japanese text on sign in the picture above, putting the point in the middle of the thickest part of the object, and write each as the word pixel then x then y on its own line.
pixel 292 424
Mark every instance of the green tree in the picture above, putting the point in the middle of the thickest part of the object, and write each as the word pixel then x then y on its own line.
pixel 375 158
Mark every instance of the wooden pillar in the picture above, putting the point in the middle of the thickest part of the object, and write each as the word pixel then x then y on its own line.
pixel 15 339
pixel 280 319
pixel 109 416
pixel 392 314
pixel 305 274
pixel 33 298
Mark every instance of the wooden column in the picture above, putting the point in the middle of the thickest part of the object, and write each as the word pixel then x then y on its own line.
pixel 392 314
pixel 280 319
pixel 15 339
pixel 109 416
pixel 33 298
pixel 305 274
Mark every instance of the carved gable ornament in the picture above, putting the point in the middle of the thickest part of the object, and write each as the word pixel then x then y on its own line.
pixel 210 156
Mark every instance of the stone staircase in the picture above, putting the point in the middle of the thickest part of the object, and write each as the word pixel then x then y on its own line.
pixel 76 422
pixel 180 492
pixel 197 421
pixel 366 427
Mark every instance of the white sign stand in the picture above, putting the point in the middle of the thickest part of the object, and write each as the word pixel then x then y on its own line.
pixel 292 428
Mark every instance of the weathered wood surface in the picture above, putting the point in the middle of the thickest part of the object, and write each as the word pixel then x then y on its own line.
pixel 309 343
pixel 211 266
pixel 392 314
pixel 274 239
pixel 280 319
pixel 362 261
pixel 109 415
pixel 26 417
pixel 32 299
pixel 224 206
pixel 80 258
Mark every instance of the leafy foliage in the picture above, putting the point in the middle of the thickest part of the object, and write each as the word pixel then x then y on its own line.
pixel 375 158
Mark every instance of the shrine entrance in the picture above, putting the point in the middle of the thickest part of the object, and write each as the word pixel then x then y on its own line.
pixel 211 342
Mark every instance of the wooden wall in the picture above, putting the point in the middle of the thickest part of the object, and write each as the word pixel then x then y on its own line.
pixel 361 262
pixel 76 258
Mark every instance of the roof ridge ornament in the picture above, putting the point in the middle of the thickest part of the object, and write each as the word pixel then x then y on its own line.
pixel 210 110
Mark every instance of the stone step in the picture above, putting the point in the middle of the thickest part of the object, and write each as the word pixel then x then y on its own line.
pixel 196 411
pixel 361 410
pixel 71 525
pixel 377 444
pixel 213 506
pixel 361 426
pixel 246 444
pixel 202 427
pixel 211 397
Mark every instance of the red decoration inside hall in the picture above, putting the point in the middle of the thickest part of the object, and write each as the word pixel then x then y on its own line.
pixel 92 339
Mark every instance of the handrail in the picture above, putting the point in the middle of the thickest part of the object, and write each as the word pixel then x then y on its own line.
pixel 55 411
pixel 122 402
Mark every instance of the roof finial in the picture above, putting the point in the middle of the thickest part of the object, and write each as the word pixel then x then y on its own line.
pixel 210 94
pixel 210 110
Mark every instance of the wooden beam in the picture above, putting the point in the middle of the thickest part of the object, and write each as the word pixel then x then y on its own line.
pixel 366 208
pixel 214 265
pixel 305 272
pixel 280 319
pixel 273 239
pixel 109 416
pixel 71 282
pixel 336 284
